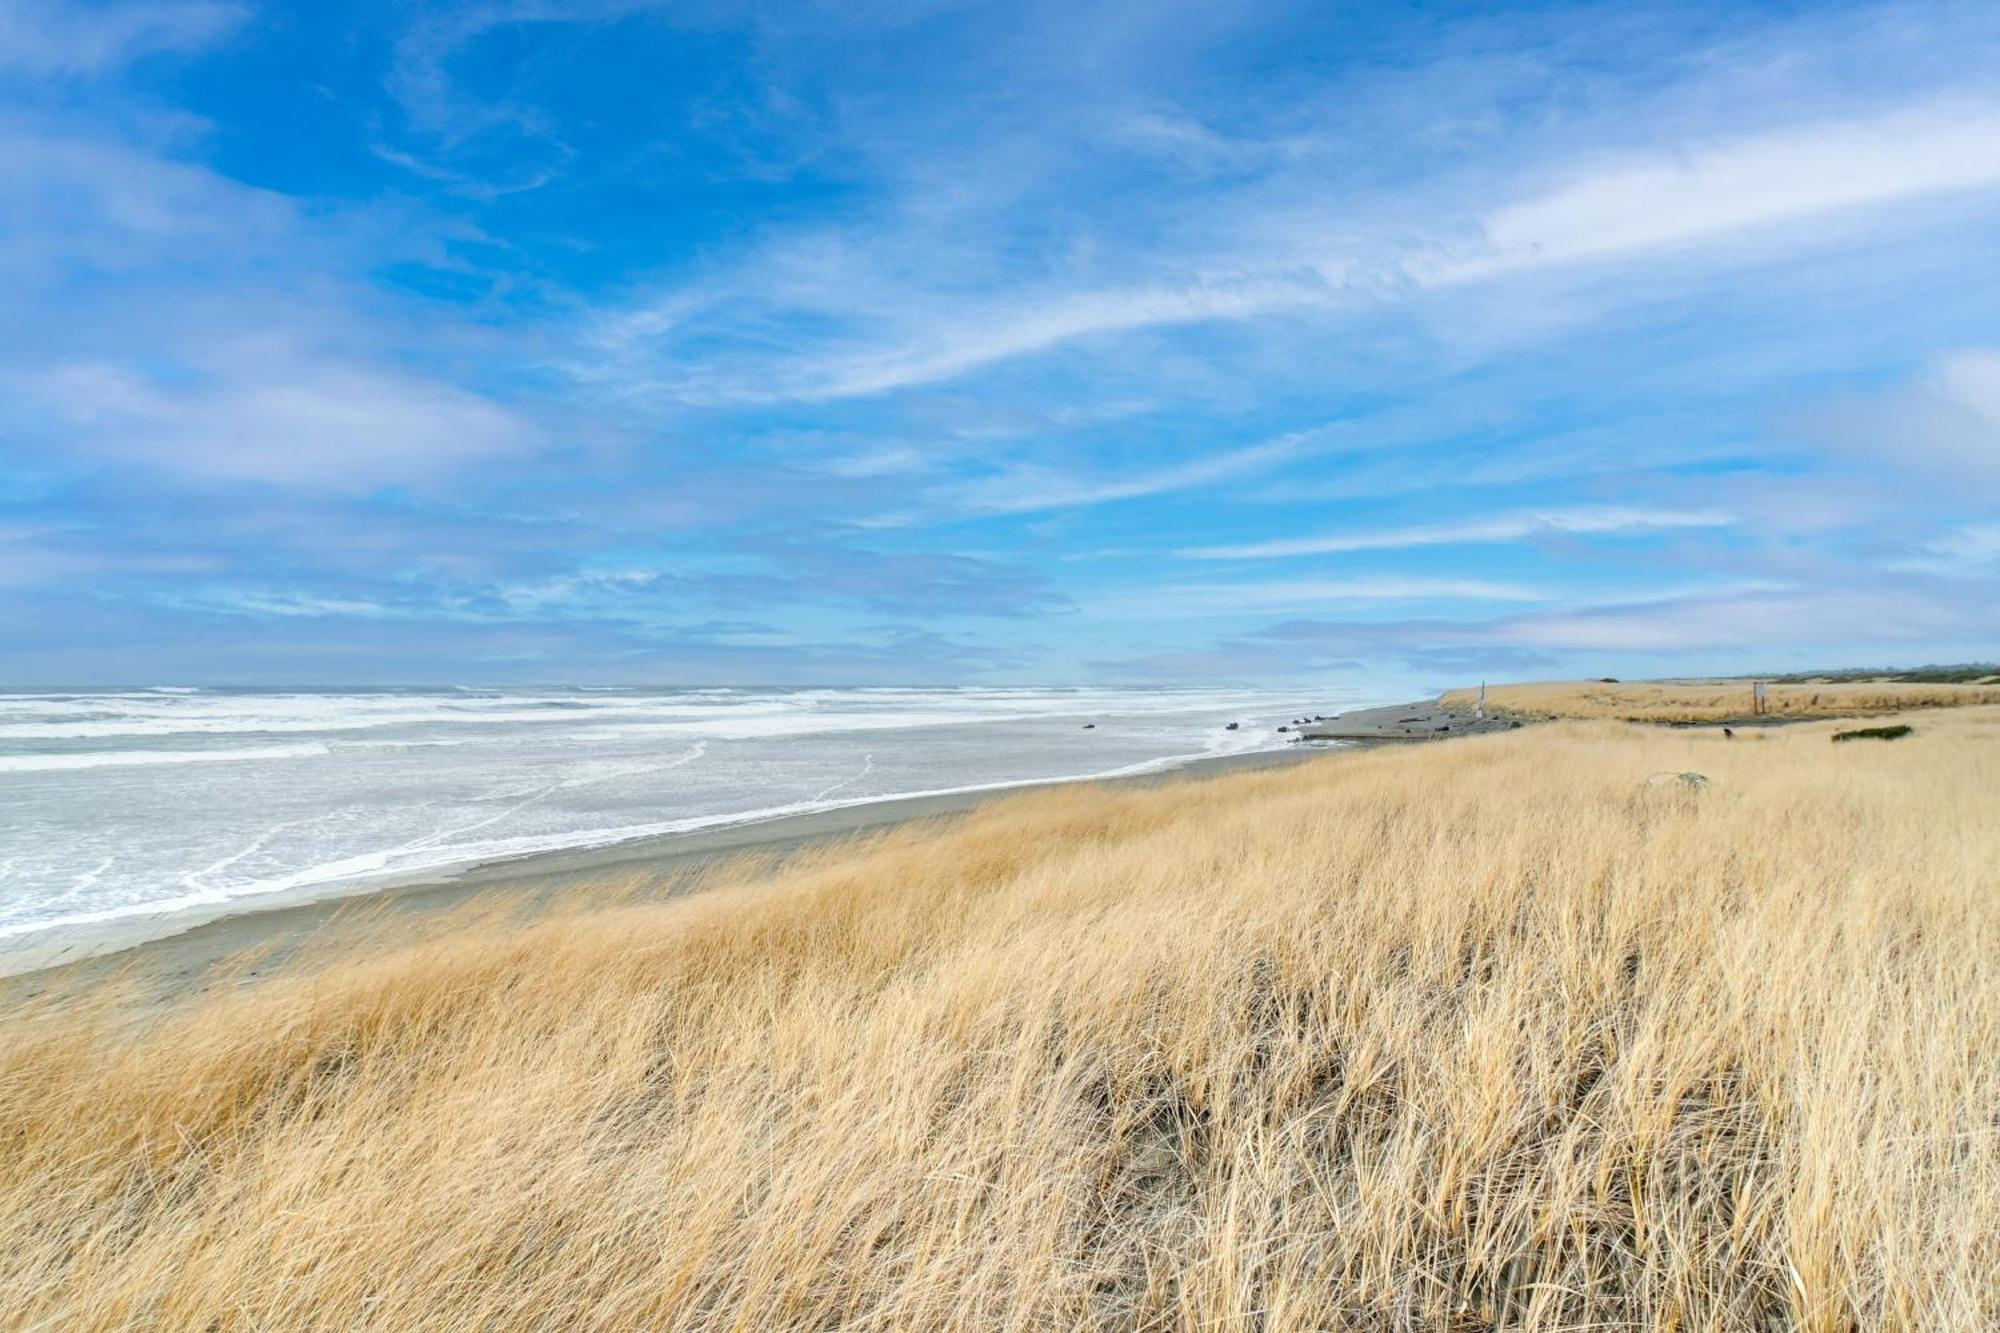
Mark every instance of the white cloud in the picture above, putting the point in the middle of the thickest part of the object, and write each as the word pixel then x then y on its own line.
pixel 1973 544
pixel 1215 599
pixel 1196 146
pixel 452 122
pixel 225 346
pixel 82 199
pixel 34 555
pixel 1866 625
pixel 1970 549
pixel 43 38
pixel 250 602
pixel 224 350
pixel 569 587
pixel 1971 378
pixel 1705 192
pixel 897 340
pixel 1945 424
pixel 946 352
pixel 1024 490
pixel 1794 619
pixel 26 558
pixel 907 299
pixel 1505 527
pixel 888 460
pixel 419 78
pixel 311 425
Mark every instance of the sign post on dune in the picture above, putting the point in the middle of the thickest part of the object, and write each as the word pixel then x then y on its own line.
pixel 1757 698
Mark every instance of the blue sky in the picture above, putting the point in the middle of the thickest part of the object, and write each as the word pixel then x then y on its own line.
pixel 926 342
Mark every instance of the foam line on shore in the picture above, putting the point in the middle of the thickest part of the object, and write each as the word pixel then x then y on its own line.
pixel 378 869
pixel 46 763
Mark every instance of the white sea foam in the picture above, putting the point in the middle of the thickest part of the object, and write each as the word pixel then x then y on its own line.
pixel 46 763
pixel 432 855
pixel 138 804
pixel 88 720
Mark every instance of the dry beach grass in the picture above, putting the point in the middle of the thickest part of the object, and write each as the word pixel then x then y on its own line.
pixel 1499 1033
pixel 1720 700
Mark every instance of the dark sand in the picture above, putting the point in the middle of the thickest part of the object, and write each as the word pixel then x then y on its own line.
pixel 181 953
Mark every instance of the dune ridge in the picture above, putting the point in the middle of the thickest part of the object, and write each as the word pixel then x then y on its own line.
pixel 1721 700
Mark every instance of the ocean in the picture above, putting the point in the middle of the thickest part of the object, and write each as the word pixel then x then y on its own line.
pixel 145 803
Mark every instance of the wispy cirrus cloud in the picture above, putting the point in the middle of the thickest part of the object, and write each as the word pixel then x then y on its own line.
pixel 1971 545
pixel 1793 619
pixel 1029 489
pixel 1792 188
pixel 1708 191
pixel 1596 521
pixel 1943 423
pixel 48 38
pixel 1199 600
pixel 81 204
pixel 299 423
pixel 209 331
pixel 559 330
pixel 1965 551
pixel 881 334
pixel 1750 619
pixel 260 603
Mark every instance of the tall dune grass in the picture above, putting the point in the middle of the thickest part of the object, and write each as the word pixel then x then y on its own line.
pixel 1718 700
pixel 1503 1033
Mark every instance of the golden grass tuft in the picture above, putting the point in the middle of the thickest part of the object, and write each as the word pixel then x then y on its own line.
pixel 1493 1034
pixel 1717 700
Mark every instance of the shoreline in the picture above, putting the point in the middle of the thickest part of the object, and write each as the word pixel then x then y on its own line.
pixel 180 947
